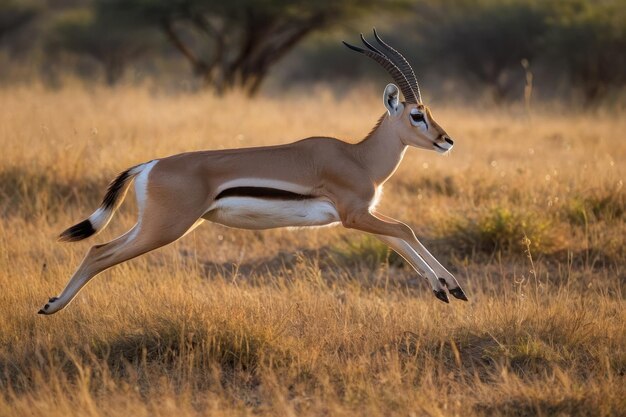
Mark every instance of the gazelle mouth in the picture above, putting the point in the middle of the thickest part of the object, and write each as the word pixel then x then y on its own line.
pixel 440 148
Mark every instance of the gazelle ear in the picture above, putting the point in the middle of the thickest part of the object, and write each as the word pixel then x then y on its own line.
pixel 391 100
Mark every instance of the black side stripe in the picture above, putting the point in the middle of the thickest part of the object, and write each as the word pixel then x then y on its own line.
pixel 262 192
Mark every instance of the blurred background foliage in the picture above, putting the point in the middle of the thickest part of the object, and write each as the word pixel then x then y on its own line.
pixel 574 50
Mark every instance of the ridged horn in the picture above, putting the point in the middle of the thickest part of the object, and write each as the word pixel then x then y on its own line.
pixel 400 61
pixel 397 75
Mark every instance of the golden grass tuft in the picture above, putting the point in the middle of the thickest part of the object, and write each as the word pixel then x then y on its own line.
pixel 324 321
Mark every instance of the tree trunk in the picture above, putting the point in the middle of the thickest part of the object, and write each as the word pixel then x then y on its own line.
pixel 113 72
pixel 265 41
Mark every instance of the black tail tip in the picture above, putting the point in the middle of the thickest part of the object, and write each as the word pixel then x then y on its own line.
pixel 77 232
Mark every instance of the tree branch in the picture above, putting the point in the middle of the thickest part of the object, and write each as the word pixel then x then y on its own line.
pixel 205 26
pixel 271 48
pixel 199 65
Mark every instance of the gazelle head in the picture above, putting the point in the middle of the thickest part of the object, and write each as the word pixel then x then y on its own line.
pixel 411 119
pixel 414 123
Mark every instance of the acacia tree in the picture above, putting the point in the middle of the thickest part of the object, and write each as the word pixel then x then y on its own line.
pixel 15 14
pixel 235 43
pixel 590 40
pixel 111 41
pixel 484 38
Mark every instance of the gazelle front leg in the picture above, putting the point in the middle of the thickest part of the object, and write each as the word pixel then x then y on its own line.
pixel 418 264
pixel 397 236
pixel 444 275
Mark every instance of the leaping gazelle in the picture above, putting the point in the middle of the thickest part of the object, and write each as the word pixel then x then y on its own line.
pixel 311 182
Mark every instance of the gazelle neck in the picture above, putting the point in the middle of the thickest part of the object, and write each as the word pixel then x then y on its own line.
pixel 381 151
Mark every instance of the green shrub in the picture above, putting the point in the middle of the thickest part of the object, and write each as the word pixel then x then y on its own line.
pixel 594 208
pixel 366 250
pixel 502 229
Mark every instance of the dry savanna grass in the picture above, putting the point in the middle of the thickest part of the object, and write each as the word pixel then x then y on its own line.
pixel 527 212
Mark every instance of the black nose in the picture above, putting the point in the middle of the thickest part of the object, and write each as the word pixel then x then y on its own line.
pixel 450 141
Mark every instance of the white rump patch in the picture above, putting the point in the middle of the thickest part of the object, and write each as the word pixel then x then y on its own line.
pixel 258 213
pixel 141 185
pixel 141 194
pixel 101 217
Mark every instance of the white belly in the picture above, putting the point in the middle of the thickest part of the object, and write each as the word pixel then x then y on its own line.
pixel 258 213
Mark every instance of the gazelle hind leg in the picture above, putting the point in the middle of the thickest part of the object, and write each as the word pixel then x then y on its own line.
pixel 88 268
pixel 142 238
pixel 166 212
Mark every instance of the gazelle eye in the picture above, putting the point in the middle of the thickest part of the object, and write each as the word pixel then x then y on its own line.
pixel 419 117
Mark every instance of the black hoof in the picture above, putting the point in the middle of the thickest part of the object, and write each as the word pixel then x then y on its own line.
pixel 41 312
pixel 441 294
pixel 458 293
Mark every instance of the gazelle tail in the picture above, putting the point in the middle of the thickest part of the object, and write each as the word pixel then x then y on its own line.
pixel 100 218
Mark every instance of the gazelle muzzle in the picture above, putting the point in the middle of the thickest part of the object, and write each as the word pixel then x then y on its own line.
pixel 443 144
